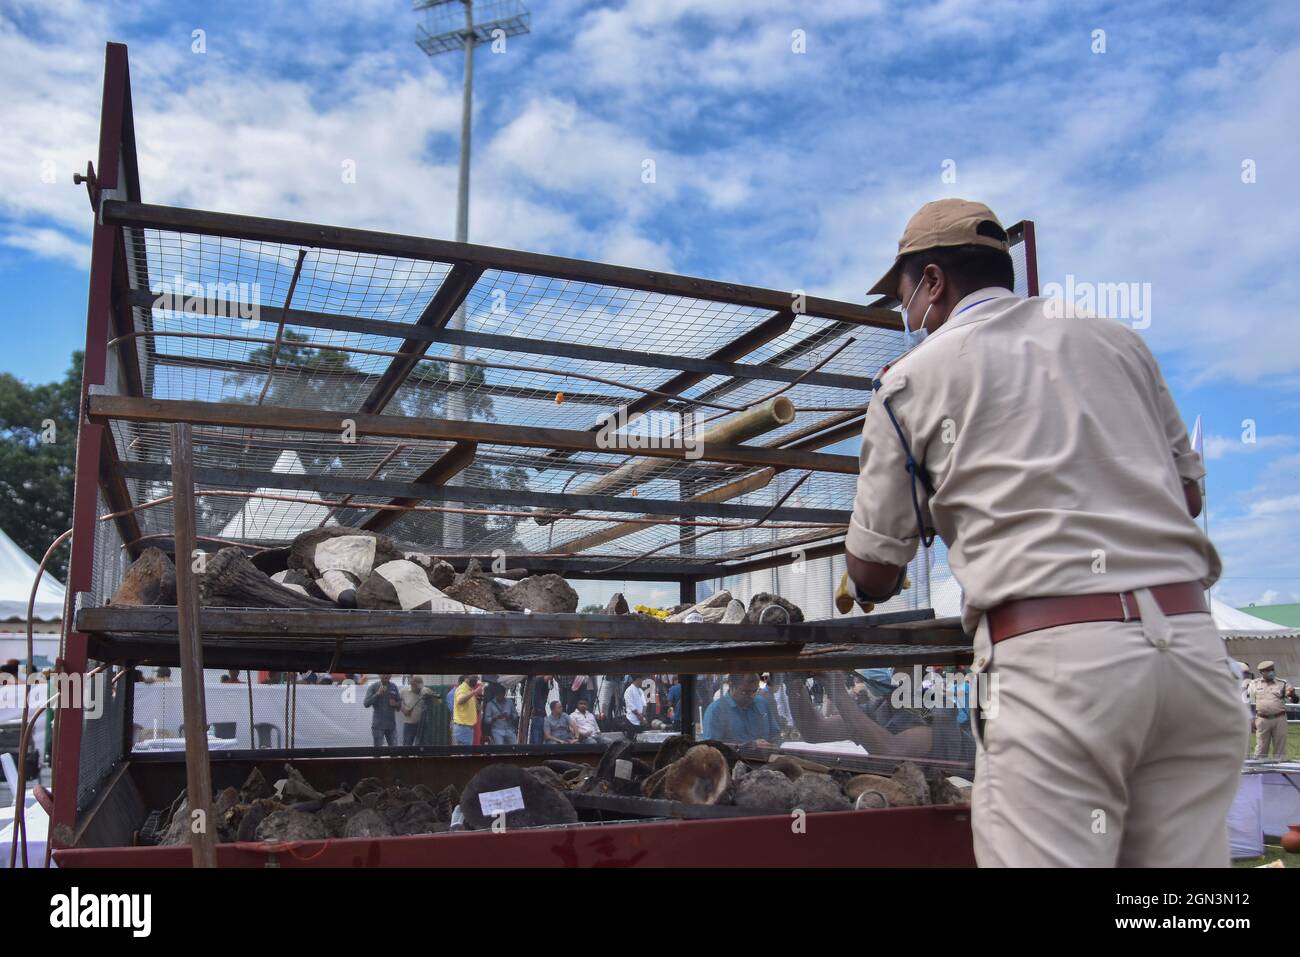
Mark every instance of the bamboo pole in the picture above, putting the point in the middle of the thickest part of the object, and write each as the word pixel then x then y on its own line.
pixel 733 431
pixel 198 774
pixel 722 493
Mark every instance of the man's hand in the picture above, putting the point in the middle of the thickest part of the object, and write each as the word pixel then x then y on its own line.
pixel 874 579
pixel 1192 493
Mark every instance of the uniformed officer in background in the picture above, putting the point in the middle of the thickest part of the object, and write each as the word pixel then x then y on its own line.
pixel 1049 456
pixel 1269 695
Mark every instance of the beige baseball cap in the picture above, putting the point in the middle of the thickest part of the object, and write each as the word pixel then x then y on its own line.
pixel 1266 666
pixel 944 222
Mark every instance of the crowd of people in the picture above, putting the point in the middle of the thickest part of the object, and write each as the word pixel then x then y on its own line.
pixel 759 709
pixel 490 709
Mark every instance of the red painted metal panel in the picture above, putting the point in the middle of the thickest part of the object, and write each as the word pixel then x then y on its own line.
pixel 1031 258
pixel 90 438
pixel 900 837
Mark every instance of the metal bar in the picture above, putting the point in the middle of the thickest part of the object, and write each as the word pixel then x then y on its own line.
pixel 325 625
pixel 839 433
pixel 374 473
pixel 484 388
pixel 198 776
pixel 372 624
pixel 124 322
pixel 686 593
pixel 260 229
pixel 489 656
pixel 1026 230
pixel 750 550
pixel 501 343
pixel 686 706
pixel 821 551
pixel 90 437
pixel 400 427
pixel 411 492
pixel 449 297
pixel 117 495
pixel 450 464
pixel 813 429
pixel 279 326
pixel 128 706
pixel 775 325
pixel 798 349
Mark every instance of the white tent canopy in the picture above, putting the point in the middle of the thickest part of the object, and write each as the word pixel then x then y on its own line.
pixel 17 572
pixel 275 518
pixel 1227 618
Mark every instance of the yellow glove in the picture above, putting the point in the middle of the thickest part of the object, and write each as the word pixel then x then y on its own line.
pixel 846 595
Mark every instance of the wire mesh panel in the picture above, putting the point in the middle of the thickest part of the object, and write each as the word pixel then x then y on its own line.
pixel 861 720
pixel 277 325
pixel 110 559
pixel 254 710
pixel 103 698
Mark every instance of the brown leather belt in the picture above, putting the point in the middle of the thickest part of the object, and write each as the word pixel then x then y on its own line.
pixel 1019 617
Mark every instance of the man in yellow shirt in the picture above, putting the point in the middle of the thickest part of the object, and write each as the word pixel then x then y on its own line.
pixel 464 716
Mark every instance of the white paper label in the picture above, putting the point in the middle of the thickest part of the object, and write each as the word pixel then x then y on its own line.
pixel 493 803
pixel 623 769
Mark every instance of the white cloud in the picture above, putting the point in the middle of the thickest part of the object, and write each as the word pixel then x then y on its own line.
pixel 1256 538
pixel 50 243
pixel 1284 505
pixel 772 168
pixel 1218 446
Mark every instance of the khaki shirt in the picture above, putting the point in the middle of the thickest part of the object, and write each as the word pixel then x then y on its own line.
pixel 1269 697
pixel 1055 449
pixel 415 700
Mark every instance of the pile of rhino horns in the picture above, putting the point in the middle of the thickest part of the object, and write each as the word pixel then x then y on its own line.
pixel 344 568
pixel 293 810
pixel 707 773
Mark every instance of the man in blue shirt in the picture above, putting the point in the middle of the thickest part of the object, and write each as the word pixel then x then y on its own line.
pixel 742 716
pixel 675 700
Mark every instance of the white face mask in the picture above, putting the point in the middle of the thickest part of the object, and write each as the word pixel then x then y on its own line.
pixel 913 339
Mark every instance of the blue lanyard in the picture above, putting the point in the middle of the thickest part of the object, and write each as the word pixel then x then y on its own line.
pixel 973 305
pixel 915 470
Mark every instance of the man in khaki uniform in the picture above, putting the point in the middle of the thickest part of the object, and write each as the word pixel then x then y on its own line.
pixel 1269 695
pixel 1051 459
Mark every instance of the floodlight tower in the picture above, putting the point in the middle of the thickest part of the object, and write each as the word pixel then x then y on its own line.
pixel 443 31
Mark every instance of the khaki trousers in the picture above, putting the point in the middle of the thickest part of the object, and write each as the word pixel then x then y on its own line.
pixel 1108 744
pixel 1270 735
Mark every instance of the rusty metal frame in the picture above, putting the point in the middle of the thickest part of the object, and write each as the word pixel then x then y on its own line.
pixel 119 314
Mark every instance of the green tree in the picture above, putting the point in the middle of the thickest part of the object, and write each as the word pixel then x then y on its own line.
pixel 314 378
pixel 38 454
pixel 306 377
pixel 426 396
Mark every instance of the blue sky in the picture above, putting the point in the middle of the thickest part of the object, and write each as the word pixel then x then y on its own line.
pixel 777 168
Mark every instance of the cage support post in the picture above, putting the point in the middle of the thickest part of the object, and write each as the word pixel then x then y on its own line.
pixel 198 774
